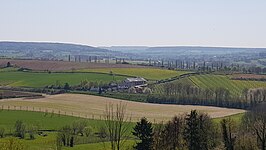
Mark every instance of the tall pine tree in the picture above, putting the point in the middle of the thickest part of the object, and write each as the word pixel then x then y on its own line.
pixel 144 131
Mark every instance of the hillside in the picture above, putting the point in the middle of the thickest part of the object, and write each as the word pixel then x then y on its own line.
pixel 88 106
pixel 43 46
pixel 42 50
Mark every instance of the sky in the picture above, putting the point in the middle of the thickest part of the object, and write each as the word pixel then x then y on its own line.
pixel 234 23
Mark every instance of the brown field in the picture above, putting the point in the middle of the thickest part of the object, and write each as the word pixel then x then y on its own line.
pixel 15 94
pixel 248 76
pixel 93 107
pixel 39 65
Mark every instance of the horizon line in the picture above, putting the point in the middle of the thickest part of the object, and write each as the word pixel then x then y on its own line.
pixel 115 45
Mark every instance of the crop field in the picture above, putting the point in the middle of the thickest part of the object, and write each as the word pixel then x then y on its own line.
pixel 89 106
pixel 147 73
pixel 15 94
pixel 248 76
pixel 234 86
pixel 30 79
pixel 61 65
pixel 159 88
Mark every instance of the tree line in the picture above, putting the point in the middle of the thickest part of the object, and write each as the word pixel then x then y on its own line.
pixel 191 95
pixel 197 131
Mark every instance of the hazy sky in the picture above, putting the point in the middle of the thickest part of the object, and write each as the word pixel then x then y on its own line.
pixel 239 23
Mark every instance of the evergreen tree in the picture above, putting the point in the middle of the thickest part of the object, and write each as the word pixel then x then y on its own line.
pixel 8 64
pixel 144 131
pixel 197 131
pixel 191 133
pixel 66 86
pixel 228 138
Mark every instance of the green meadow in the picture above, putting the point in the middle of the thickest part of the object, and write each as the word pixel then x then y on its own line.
pixel 48 122
pixel 54 122
pixel 32 79
pixel 234 86
pixel 147 73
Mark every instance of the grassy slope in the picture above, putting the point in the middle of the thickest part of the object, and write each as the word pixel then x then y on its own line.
pixel 159 88
pixel 102 146
pixel 8 69
pixel 29 79
pixel 48 122
pixel 148 73
pixel 8 119
pixel 234 86
pixel 237 118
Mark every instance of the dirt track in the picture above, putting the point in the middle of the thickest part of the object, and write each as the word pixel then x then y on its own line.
pixel 94 106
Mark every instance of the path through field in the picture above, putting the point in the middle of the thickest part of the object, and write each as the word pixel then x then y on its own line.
pixel 93 106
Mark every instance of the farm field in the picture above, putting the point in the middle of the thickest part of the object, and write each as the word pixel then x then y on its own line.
pixel 61 65
pixel 159 88
pixel 15 94
pixel 55 122
pixel 234 86
pixel 88 106
pixel 47 122
pixel 147 73
pixel 30 79
pixel 248 76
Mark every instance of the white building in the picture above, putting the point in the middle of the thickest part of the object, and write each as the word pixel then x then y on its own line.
pixel 129 82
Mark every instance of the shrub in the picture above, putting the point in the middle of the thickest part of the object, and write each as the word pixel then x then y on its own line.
pixel 20 129
pixel 88 131
pixel 2 132
pixel 12 144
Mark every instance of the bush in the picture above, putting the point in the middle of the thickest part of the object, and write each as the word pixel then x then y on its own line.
pixel 12 144
pixel 20 129
pixel 32 130
pixel 79 126
pixel 2 132
pixel 88 131
pixel 65 137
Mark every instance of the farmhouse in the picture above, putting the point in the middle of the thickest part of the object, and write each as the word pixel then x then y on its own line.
pixel 129 82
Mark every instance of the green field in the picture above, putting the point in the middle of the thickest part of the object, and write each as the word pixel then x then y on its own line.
pixel 54 122
pixel 8 69
pixel 234 86
pixel 159 88
pixel 237 118
pixel 147 73
pixel 30 79
pixel 47 122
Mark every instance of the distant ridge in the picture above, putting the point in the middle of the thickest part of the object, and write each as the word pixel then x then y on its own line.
pixel 31 46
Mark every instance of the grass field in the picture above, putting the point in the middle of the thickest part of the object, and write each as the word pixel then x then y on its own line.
pixel 147 73
pixel 29 79
pixel 237 118
pixel 88 106
pixel 48 122
pixel 234 86
pixel 54 122
pixel 8 69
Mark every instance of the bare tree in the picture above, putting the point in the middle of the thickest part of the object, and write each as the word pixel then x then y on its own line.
pixel 257 119
pixel 116 124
